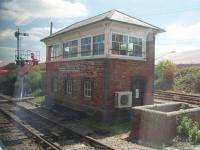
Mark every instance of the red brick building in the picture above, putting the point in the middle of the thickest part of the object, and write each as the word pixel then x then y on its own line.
pixel 101 64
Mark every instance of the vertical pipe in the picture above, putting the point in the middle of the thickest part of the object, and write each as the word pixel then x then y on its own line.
pixel 17 44
pixel 51 26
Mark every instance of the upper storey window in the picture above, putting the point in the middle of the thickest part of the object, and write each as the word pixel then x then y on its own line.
pixel 98 44
pixel 119 42
pixel 54 52
pixel 126 45
pixel 70 49
pixel 86 46
pixel 135 46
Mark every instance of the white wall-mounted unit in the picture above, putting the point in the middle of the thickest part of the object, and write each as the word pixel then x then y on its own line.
pixel 123 99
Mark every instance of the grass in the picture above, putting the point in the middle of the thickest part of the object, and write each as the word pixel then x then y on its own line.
pixel 37 101
pixel 114 128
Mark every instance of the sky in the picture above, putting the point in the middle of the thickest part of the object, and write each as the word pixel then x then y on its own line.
pixel 180 19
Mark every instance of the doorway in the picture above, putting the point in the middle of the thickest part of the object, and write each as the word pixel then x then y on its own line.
pixel 138 91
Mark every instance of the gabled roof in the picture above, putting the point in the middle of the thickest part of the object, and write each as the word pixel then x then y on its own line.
pixel 113 15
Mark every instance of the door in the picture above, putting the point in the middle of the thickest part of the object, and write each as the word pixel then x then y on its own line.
pixel 138 89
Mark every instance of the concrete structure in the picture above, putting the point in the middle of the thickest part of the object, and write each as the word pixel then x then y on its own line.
pixel 90 60
pixel 155 125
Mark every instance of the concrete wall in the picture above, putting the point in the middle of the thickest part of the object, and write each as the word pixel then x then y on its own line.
pixel 153 128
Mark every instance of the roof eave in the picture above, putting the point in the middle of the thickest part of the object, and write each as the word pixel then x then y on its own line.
pixel 157 29
pixel 42 40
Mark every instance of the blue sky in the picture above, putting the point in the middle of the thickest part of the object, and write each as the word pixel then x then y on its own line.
pixel 180 19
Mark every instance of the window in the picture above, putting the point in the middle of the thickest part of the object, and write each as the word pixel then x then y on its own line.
pixel 55 51
pixel 86 46
pixel 68 86
pixel 87 89
pixel 135 46
pixel 70 49
pixel 119 42
pixel 126 45
pixel 55 85
pixel 98 44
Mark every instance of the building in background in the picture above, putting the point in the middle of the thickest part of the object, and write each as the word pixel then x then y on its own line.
pixel 102 64
pixel 183 59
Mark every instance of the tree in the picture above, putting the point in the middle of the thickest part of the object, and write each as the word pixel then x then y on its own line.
pixel 7 82
pixel 188 80
pixel 34 80
pixel 164 75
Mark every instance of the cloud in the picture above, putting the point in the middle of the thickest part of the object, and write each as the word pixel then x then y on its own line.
pixel 24 11
pixel 178 37
pixel 181 32
pixel 7 34
pixel 35 34
pixel 7 55
pixel 32 42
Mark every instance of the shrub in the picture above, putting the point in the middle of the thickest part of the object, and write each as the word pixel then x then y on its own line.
pixel 37 92
pixel 163 84
pixel 184 127
pixel 193 132
pixel 164 75
pixel 7 82
pixel 189 130
pixel 197 138
pixel 188 80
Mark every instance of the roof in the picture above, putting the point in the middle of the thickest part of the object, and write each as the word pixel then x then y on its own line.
pixel 113 15
pixel 185 57
pixel 7 68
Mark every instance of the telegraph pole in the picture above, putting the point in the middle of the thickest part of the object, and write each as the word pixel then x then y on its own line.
pixel 17 43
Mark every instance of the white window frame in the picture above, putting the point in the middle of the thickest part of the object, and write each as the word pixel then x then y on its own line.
pixel 71 47
pixel 91 43
pixel 69 86
pixel 54 52
pixel 98 44
pixel 143 37
pixel 87 89
pixel 136 45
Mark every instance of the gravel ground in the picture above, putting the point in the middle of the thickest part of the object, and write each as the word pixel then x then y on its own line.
pixel 112 141
pixel 120 144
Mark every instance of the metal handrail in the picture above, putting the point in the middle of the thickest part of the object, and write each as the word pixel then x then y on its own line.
pixel 26 55
pixel 125 52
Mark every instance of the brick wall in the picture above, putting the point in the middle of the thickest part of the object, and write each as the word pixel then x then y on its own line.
pixel 108 76
pixel 93 69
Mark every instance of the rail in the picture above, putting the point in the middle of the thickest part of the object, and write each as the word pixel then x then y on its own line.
pixel 180 97
pixel 41 140
pixel 88 139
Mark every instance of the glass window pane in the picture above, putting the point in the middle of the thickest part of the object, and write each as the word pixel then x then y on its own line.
pixel 140 41
pixel 125 39
pixel 86 46
pixel 98 44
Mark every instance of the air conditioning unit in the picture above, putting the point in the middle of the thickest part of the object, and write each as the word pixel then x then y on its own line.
pixel 123 99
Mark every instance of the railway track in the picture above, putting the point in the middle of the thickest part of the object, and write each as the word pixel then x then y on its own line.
pixel 178 97
pixel 16 135
pixel 30 132
pixel 53 134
